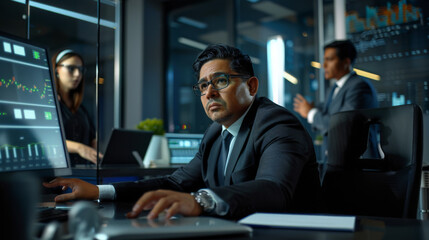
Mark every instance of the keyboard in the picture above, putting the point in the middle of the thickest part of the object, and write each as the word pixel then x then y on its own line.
pixel 48 214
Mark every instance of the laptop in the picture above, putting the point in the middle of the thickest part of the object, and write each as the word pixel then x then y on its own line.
pixel 126 148
pixel 183 147
pixel 176 227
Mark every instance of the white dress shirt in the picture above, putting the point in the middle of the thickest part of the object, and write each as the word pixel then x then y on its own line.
pixel 340 83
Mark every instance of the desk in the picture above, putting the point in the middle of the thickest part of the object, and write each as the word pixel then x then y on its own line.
pixel 121 171
pixel 367 228
pixel 116 174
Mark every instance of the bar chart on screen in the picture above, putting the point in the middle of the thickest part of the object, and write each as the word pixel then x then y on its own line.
pixel 23 151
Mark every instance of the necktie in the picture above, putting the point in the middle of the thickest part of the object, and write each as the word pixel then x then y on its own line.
pixel 331 95
pixel 226 140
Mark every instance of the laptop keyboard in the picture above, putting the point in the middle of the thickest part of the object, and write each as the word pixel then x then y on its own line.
pixel 48 214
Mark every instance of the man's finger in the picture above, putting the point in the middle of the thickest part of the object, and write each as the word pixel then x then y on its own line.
pixel 64 197
pixel 173 210
pixel 300 98
pixel 147 199
pixel 149 205
pixel 54 183
pixel 160 206
pixel 297 99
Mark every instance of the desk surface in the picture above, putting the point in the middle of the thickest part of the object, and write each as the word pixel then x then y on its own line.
pixel 121 171
pixel 367 228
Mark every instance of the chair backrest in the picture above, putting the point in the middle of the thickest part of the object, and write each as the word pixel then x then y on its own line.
pixel 387 186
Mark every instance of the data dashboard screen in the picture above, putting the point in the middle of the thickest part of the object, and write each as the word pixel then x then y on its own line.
pixel 392 40
pixel 30 133
pixel 183 147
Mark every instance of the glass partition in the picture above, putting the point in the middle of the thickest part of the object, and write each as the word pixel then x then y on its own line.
pixel 73 25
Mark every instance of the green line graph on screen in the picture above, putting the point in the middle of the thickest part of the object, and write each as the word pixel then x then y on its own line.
pixel 28 92
pixel 34 89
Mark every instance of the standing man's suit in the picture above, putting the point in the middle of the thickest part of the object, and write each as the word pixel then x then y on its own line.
pixel 272 166
pixel 356 93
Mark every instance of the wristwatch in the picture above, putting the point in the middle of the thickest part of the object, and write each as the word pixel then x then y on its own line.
pixel 205 200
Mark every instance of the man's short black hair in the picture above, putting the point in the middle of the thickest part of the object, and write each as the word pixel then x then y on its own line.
pixel 240 62
pixel 345 49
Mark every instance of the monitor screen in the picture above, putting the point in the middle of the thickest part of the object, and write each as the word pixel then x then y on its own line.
pixel 183 147
pixel 31 137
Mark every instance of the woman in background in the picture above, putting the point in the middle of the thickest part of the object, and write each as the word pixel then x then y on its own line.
pixel 78 127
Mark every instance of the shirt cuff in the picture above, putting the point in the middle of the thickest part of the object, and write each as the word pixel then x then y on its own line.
pixel 222 207
pixel 106 192
pixel 310 116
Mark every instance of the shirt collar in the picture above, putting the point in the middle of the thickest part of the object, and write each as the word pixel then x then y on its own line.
pixel 235 127
pixel 343 79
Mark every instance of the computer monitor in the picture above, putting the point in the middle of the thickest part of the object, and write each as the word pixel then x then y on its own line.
pixel 31 136
pixel 183 147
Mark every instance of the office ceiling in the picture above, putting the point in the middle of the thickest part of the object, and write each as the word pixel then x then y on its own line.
pixel 206 21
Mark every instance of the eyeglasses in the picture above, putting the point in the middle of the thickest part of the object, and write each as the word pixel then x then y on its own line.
pixel 219 82
pixel 72 68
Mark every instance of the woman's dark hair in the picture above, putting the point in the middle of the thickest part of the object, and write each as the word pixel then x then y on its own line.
pixel 239 62
pixel 345 49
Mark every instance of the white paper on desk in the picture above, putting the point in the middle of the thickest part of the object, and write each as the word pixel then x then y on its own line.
pixel 307 221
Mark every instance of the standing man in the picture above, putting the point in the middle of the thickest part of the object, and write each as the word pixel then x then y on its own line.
pixel 350 92
pixel 255 157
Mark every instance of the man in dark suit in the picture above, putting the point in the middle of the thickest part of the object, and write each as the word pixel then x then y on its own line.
pixel 350 92
pixel 255 157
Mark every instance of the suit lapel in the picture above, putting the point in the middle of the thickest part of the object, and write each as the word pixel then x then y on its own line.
pixel 240 141
pixel 328 104
pixel 346 85
pixel 236 151
pixel 212 156
pixel 335 103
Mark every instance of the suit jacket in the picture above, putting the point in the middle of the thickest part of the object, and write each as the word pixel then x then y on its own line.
pixel 272 166
pixel 356 93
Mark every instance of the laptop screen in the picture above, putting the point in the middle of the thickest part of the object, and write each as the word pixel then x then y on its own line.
pixel 183 147
pixel 31 138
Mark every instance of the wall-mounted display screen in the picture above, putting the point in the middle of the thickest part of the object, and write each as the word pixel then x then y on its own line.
pixel 392 40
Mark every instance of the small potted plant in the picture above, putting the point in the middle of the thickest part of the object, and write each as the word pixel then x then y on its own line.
pixel 157 154
pixel 154 125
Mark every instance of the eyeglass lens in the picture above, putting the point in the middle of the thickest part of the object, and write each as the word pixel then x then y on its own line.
pixel 72 68
pixel 218 83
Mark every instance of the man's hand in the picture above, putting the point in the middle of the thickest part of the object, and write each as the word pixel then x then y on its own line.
pixel 174 202
pixel 302 106
pixel 80 189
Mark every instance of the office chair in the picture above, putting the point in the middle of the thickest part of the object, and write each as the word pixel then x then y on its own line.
pixel 387 186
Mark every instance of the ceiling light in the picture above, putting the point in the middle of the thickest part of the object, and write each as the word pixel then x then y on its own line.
pixel 192 43
pixel 290 78
pixel 359 72
pixel 192 22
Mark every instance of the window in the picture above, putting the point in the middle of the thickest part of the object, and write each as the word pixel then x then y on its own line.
pixel 248 25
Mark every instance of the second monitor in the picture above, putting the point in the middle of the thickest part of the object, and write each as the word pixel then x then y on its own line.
pixel 183 147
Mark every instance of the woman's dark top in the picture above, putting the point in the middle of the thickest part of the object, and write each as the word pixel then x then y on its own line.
pixel 78 127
